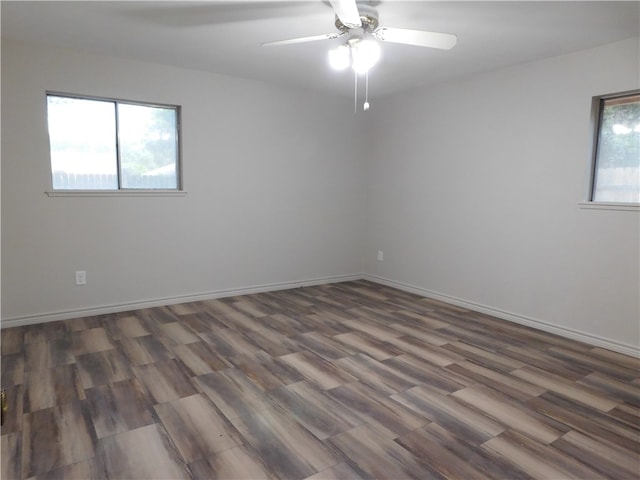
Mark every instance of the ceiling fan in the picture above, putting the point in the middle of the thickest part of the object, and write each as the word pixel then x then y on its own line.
pixel 358 23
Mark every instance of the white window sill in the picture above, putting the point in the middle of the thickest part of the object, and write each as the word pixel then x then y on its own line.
pixel 628 207
pixel 116 193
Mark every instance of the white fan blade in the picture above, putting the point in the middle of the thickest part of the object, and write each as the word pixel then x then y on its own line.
pixel 314 38
pixel 420 38
pixel 347 12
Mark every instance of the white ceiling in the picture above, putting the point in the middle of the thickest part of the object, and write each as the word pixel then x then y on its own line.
pixel 225 36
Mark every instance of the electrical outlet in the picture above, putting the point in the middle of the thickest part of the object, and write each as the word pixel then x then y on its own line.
pixel 81 277
pixel 380 255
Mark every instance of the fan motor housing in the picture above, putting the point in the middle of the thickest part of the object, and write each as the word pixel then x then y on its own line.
pixel 368 17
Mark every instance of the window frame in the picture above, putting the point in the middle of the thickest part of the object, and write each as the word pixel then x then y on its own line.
pixel 597 112
pixel 120 191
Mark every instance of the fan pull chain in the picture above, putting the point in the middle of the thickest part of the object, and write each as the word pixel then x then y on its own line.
pixel 355 93
pixel 366 92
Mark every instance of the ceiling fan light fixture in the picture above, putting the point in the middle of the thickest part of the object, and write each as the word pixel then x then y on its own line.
pixel 340 57
pixel 357 20
pixel 366 54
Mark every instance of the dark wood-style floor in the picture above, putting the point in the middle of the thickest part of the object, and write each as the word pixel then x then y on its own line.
pixel 343 381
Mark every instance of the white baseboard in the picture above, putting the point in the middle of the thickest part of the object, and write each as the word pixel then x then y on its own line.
pixel 159 302
pixel 270 287
pixel 597 341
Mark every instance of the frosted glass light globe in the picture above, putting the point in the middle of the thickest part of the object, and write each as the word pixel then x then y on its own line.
pixel 340 57
pixel 365 55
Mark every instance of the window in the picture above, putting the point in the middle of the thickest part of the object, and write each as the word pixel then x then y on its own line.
pixel 105 144
pixel 616 176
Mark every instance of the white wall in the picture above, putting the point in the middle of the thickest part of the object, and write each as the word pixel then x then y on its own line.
pixel 471 189
pixel 473 195
pixel 275 191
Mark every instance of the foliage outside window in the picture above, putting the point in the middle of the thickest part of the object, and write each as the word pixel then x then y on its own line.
pixel 617 160
pixel 104 144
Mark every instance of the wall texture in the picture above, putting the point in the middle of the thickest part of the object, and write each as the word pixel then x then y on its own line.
pixel 471 189
pixel 275 191
pixel 474 191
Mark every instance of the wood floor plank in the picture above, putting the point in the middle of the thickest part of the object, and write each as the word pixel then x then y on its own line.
pixel 317 370
pixel 486 358
pixel 328 323
pixel 540 359
pixel 248 307
pixel 199 358
pixel 460 420
pixel 480 339
pixel 42 355
pixel 489 464
pixel 439 458
pixel 380 457
pixel 52 386
pixel 232 317
pixel 285 324
pixel 182 309
pixel 92 321
pixel 424 373
pixel 314 410
pixel 565 388
pixel 419 320
pixel 431 353
pixel 12 340
pixel 605 458
pixel 196 428
pixel 505 383
pixel 12 369
pixel 232 464
pixel 118 407
pixel 176 334
pixel 379 313
pixel 164 381
pixel 232 392
pixel 598 365
pixel 144 453
pixel 507 413
pixel 198 322
pixel 144 349
pixel 11 465
pixel 380 332
pixel 272 343
pixel 323 346
pixel 45 332
pixel 286 448
pixel 90 341
pixel 587 420
pixel 103 367
pixel 417 332
pixel 364 343
pixel 128 326
pixel 526 454
pixel 270 374
pixel 153 317
pixel 629 414
pixel 377 375
pixel 624 391
pixel 55 437
pixel 626 361
pixel 341 471
pixel 388 416
pixel 75 471
pixel 229 342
